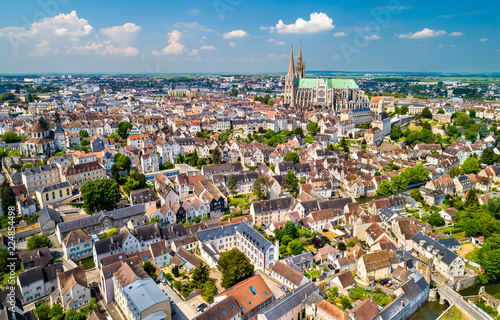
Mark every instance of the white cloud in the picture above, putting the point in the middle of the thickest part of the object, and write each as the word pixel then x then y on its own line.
pixel 275 56
pixel 192 27
pixel 339 34
pixel 483 39
pixel 235 34
pixel 104 48
pixel 193 52
pixel 335 57
pixel 232 44
pixel 425 33
pixel 270 40
pixel 441 46
pixel 156 53
pixel 318 22
pixel 373 37
pixel 280 43
pixel 456 34
pixel 174 46
pixel 41 49
pixel 123 35
pixel 207 48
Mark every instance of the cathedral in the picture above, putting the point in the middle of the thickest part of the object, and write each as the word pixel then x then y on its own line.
pixel 335 94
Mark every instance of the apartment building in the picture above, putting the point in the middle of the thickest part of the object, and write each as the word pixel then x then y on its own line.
pixel 37 177
pixel 261 252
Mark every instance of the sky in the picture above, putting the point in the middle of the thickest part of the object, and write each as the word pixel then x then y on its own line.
pixel 243 36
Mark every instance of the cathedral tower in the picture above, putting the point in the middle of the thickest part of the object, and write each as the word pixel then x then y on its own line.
pixel 300 70
pixel 290 82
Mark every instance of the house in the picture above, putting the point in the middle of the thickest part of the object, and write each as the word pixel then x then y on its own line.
pixel 463 184
pixel 288 275
pixel 252 295
pixel 322 219
pixel 73 291
pixel 377 265
pixel 189 243
pixel 264 212
pixel 444 183
pixel 77 174
pixel 48 219
pixel 145 197
pixel 38 258
pixel 327 254
pixel 77 245
pixel 38 282
pixel 344 264
pixel 432 197
pixel 302 261
pixel 363 310
pixel 187 260
pixel 137 296
pixel 227 309
pixel 345 282
pixel 448 214
pixel 53 193
pixel 446 262
pixel 450 243
pixel 261 252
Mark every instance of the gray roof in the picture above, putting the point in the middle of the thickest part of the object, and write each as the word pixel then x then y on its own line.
pixel 449 243
pixel 145 293
pixel 47 273
pixel 334 204
pixel 254 237
pixel 96 219
pixel 443 253
pixel 216 233
pixel 282 306
pixel 46 214
pixel 55 186
pixel 299 259
pixel 272 205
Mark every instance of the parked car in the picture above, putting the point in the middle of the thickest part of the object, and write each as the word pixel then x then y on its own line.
pixel 284 289
pixel 330 267
pixel 172 311
pixel 163 282
pixel 389 284
pixel 384 281
pixel 201 307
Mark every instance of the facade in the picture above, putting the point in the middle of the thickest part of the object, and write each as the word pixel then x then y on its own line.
pixel 53 193
pixel 36 177
pixel 336 94
pixel 262 253
pixel 267 211
pixel 41 143
pixel 38 282
pixel 77 245
pixel 79 173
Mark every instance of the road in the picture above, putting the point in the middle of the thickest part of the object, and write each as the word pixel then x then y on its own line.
pixel 184 309
pixel 459 301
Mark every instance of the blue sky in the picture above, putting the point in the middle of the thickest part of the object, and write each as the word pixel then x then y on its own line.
pixel 160 36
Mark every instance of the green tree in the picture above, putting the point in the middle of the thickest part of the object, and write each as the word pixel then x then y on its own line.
pixel 471 199
pixel 150 270
pixel 471 165
pixel 415 194
pixel 260 187
pixel 55 311
pixel 291 180
pixel 232 185
pixel 341 246
pixel 216 156
pixel 298 131
pixel 351 243
pixel 123 129
pixel 426 113
pixel 455 171
pixel 436 220
pixel 290 229
pixel 235 267
pixel 201 162
pixel 292 156
pixel 100 194
pixel 10 137
pixel 7 199
pixel 385 189
pixel 83 134
pixel 312 127
pixel 200 275
pixel 155 220
pixel 38 241
pixel 42 311
pixel 345 303
pixel 209 291
pixel 488 157
pixel 399 182
pixel 296 246
pixel 471 135
pixel 122 162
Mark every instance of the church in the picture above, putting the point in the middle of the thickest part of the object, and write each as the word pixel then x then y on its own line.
pixel 335 94
pixel 41 143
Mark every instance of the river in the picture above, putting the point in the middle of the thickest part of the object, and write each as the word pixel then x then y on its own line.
pixel 430 311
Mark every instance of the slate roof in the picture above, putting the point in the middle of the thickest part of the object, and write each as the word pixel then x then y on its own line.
pixel 444 254
pixel 282 306
pixel 254 237
pixel 272 205
pixel 216 233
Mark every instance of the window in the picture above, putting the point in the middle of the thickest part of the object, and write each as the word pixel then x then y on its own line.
pixel 250 302
pixel 252 289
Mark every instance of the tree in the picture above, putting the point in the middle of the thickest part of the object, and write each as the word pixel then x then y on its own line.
pixel 345 302
pixel 296 246
pixel 231 184
pixel 415 174
pixel 7 199
pixel 292 156
pixel 488 157
pixel 235 267
pixel 155 220
pixel 426 113
pixel 83 134
pixel 200 275
pixel 399 182
pixel 385 189
pixel 10 137
pixel 57 117
pixel 100 194
pixel 55 311
pixel 341 246
pixel 312 127
pixel 115 172
pixel 290 229
pixel 201 162
pixel 122 162
pixel 42 311
pixel 415 194
pixel 260 187
pixel 455 171
pixel 298 131
pixel 291 181
pixel 150 270
pixel 351 243
pixel 471 199
pixel 175 271
pixel 209 291
pixel 123 128
pixel 471 165
pixel 436 220
pixel 38 241
pixel 216 156
pixel 440 111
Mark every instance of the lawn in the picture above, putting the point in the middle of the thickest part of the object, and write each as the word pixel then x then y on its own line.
pixel 313 274
pixel 466 251
pixel 238 201
pixel 87 263
pixel 413 126
pixel 454 314
pixel 380 298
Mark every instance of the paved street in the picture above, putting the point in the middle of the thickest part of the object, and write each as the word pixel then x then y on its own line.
pixel 184 309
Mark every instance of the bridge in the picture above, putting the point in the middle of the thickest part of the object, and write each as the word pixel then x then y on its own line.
pixel 449 296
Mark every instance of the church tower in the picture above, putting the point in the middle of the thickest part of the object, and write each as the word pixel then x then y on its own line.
pixel 300 70
pixel 290 82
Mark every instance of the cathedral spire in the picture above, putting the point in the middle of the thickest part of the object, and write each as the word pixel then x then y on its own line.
pixel 300 51
pixel 291 68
